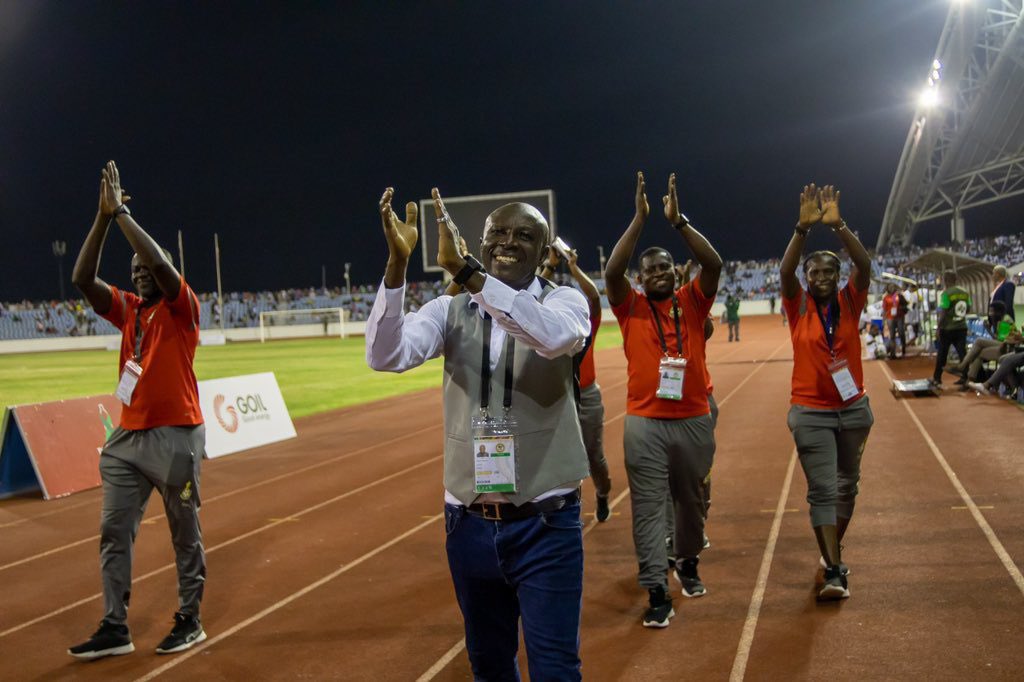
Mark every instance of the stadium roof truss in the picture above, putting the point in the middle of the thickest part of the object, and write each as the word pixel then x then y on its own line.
pixel 967 149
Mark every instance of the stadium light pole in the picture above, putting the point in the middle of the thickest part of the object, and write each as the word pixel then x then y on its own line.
pixel 348 280
pixel 59 249
pixel 323 278
pixel 600 258
pixel 220 290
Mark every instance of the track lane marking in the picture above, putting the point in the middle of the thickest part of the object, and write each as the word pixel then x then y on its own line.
pixel 181 658
pixel 441 663
pixel 739 663
pixel 979 518
pixel 226 543
pixel 230 493
pixel 450 655
pixel 82 503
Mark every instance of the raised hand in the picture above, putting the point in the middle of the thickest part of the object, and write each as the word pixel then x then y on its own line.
pixel 111 194
pixel 573 257
pixel 671 202
pixel 448 237
pixel 643 209
pixel 830 206
pixel 810 208
pixel 401 236
pixel 553 259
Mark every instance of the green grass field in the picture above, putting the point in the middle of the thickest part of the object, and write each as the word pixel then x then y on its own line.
pixel 315 375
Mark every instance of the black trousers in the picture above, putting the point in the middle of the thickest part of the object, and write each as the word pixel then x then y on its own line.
pixel 957 338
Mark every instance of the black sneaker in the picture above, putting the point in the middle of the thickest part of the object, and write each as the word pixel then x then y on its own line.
pixel 686 574
pixel 109 640
pixel 836 585
pixel 603 510
pixel 843 568
pixel 660 610
pixel 186 633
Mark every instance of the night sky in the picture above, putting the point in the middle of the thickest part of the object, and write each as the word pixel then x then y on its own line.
pixel 277 125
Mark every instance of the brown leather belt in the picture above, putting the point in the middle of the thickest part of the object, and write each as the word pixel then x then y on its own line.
pixel 506 511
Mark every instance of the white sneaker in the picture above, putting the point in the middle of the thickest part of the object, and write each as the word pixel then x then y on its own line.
pixel 979 388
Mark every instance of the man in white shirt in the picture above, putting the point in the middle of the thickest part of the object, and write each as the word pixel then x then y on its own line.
pixel 514 456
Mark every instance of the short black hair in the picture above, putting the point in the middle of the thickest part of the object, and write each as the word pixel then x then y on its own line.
pixel 823 254
pixel 949 277
pixel 999 307
pixel 651 251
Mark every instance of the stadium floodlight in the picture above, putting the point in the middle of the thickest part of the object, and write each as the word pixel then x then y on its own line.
pixel 929 97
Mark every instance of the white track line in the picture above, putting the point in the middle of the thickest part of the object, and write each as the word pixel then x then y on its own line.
pixel 437 667
pixel 739 663
pixel 227 543
pixel 69 507
pixel 60 509
pixel 181 658
pixel 450 655
pixel 979 518
pixel 231 493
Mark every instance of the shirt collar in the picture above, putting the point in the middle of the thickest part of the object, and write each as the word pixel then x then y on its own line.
pixel 535 289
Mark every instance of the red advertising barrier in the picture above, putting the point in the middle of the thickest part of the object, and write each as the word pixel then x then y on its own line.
pixel 59 443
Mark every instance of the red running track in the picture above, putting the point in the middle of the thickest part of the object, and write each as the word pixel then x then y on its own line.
pixel 326 557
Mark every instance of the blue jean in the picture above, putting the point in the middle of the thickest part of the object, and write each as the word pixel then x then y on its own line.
pixel 504 570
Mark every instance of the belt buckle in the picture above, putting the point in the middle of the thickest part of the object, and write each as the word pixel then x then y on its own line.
pixel 491 510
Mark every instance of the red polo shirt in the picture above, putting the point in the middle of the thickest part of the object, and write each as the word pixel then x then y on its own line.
pixel 643 352
pixel 167 393
pixel 587 373
pixel 812 382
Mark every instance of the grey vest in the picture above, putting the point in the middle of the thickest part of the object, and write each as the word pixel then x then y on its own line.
pixel 549 447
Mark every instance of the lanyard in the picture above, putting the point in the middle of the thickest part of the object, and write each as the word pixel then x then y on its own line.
pixel 829 325
pixel 661 334
pixel 485 368
pixel 140 332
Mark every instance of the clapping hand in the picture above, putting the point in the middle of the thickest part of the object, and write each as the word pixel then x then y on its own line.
pixel 671 202
pixel 810 209
pixel 830 206
pixel 401 236
pixel 643 209
pixel 449 256
pixel 111 194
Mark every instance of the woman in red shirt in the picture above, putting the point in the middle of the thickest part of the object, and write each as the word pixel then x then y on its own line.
pixel 829 416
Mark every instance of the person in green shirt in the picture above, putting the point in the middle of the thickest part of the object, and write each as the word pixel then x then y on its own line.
pixel 954 304
pixel 732 316
pixel 998 326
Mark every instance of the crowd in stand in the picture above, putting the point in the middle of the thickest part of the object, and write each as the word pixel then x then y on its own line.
pixel 744 280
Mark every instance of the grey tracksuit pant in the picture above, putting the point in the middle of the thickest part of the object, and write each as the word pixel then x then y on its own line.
pixel 132 463
pixel 667 456
pixel 670 525
pixel 592 425
pixel 830 444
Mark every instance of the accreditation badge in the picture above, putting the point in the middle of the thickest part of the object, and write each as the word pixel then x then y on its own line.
pixel 129 379
pixel 843 379
pixel 671 372
pixel 494 454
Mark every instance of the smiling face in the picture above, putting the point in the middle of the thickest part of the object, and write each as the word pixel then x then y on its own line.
pixel 822 273
pixel 143 280
pixel 514 243
pixel 657 275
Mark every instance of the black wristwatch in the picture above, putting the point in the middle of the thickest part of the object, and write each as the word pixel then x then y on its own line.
pixel 120 210
pixel 683 222
pixel 472 265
